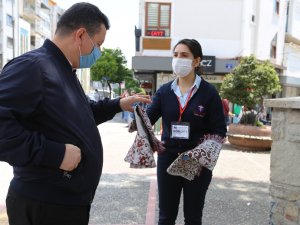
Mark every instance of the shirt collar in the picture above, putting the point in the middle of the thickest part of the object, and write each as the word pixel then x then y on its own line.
pixel 197 83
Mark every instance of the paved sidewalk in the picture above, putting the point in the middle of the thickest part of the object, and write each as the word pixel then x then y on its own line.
pixel 238 194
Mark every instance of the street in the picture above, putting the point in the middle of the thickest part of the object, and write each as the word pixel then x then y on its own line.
pixel 238 194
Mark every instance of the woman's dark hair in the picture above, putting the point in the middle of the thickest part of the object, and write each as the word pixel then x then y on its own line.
pixel 82 15
pixel 196 49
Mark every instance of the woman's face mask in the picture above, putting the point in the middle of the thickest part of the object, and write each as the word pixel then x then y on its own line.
pixel 86 61
pixel 182 66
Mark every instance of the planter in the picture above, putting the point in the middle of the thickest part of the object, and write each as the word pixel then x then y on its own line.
pixel 247 137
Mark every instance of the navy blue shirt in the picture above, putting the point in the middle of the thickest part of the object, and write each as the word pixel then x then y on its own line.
pixel 43 107
pixel 204 113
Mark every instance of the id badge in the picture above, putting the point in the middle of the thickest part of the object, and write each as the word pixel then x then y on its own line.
pixel 180 130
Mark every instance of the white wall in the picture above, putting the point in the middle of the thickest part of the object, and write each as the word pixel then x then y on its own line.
pixel 216 24
pixel 292 59
pixel 225 28
pixel 269 23
pixel 248 27
pixel 294 18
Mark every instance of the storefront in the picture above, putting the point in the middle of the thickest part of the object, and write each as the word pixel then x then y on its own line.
pixel 158 70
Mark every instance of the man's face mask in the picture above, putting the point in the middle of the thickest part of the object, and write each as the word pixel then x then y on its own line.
pixel 86 61
pixel 182 67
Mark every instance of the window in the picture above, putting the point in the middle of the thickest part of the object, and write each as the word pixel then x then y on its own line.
pixel 33 40
pixel 158 17
pixel 273 47
pixel 10 42
pixel 276 6
pixel 273 52
pixel 9 20
pixel 287 17
pixel 24 39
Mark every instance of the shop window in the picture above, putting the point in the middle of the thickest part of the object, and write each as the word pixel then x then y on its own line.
pixel 158 19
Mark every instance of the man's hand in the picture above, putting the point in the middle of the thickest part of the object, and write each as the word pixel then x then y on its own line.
pixel 127 102
pixel 71 159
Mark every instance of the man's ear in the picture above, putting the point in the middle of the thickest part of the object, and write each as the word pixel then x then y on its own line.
pixel 78 35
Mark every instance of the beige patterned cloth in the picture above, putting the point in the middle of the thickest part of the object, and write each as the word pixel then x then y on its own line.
pixel 140 155
pixel 190 163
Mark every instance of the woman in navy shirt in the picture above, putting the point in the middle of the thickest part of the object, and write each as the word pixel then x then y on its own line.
pixel 192 112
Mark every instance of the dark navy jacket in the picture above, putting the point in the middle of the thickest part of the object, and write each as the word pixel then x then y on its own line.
pixel 43 107
pixel 210 120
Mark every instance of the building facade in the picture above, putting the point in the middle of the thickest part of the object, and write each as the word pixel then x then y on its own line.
pixel 227 31
pixel 25 24
pixel 56 13
pixel 9 23
pixel 38 14
pixel 291 55
pixel 24 36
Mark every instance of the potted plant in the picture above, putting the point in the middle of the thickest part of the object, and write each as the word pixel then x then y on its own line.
pixel 247 85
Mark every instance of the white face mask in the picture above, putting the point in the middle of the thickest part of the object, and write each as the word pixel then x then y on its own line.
pixel 182 67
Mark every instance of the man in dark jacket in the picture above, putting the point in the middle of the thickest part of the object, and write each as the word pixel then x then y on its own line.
pixel 48 128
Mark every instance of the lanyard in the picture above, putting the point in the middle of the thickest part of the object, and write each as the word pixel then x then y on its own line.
pixel 181 109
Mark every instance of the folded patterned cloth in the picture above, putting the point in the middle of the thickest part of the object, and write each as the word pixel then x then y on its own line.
pixel 140 155
pixel 190 163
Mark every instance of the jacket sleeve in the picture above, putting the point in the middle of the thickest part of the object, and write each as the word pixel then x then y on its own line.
pixel 216 116
pixel 105 109
pixel 21 94
pixel 154 109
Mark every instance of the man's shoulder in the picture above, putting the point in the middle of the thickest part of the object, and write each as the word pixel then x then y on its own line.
pixel 33 55
pixel 35 60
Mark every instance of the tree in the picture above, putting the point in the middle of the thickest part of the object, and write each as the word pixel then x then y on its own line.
pixel 111 68
pixel 133 85
pixel 249 83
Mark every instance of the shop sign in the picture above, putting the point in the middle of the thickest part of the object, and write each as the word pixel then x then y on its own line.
pixel 208 64
pixel 155 33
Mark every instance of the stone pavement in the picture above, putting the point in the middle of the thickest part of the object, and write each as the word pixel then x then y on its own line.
pixel 238 194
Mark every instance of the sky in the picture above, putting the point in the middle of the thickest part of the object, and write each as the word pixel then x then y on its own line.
pixel 123 16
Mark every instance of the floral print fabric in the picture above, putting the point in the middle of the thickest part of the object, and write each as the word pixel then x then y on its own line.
pixel 140 155
pixel 190 163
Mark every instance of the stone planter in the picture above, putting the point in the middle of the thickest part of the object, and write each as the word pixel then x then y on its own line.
pixel 247 137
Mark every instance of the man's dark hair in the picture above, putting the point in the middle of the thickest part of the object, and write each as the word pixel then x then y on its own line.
pixel 82 15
